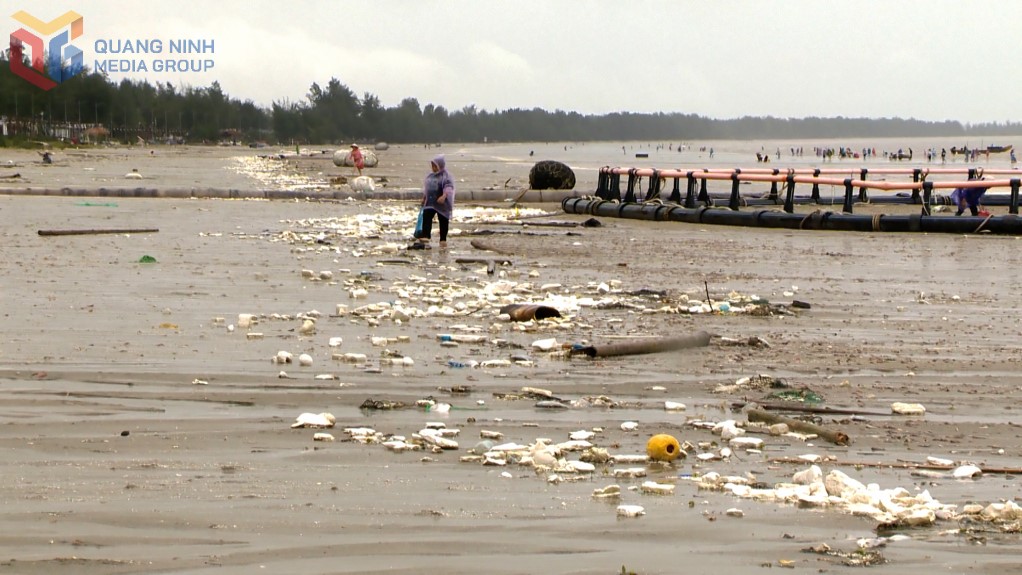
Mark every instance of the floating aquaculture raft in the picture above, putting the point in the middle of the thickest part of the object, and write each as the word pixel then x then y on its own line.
pixel 699 206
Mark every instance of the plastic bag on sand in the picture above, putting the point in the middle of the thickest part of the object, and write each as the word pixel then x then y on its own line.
pixel 418 225
pixel 363 184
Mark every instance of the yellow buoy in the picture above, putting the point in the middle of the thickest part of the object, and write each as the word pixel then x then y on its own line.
pixel 663 447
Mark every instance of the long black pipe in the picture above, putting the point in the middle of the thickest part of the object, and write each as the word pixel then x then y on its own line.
pixel 1007 224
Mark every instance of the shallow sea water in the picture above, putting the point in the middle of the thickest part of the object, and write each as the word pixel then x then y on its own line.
pixel 212 478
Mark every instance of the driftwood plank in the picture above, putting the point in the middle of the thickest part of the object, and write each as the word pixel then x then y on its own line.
pixel 97 231
pixel 835 437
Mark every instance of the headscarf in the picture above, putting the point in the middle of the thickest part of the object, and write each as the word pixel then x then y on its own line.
pixel 436 183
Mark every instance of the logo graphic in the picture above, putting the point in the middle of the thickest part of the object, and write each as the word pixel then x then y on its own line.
pixel 70 25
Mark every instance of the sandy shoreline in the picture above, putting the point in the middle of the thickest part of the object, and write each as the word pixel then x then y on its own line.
pixel 210 477
pixel 240 172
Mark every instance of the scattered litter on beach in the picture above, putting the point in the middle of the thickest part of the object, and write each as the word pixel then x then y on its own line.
pixel 266 170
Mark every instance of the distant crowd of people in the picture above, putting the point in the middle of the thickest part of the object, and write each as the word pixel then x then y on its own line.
pixel 828 154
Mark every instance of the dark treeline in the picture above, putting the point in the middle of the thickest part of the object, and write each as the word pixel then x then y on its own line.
pixel 128 109
pixel 334 114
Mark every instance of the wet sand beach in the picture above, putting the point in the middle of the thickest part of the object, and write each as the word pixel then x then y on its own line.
pixel 139 434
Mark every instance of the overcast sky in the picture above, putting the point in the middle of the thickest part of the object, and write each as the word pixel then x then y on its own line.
pixel 924 59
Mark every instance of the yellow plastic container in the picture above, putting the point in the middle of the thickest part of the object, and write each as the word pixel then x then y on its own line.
pixel 663 447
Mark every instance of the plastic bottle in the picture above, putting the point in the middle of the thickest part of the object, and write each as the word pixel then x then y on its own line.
pixel 453 363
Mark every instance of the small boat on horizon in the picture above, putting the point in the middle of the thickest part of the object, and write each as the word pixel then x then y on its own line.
pixel 987 150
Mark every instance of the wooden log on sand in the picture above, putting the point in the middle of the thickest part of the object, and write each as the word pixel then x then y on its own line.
pixel 835 437
pixel 94 231
pixel 480 245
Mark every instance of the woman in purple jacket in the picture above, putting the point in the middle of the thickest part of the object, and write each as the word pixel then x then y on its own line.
pixel 438 201
pixel 968 197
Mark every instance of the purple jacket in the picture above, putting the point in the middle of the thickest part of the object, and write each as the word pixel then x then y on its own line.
pixel 435 185
pixel 971 196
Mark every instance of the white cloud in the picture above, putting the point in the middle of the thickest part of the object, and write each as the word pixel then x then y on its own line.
pixel 918 58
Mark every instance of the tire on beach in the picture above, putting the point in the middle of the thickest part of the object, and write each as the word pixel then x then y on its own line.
pixel 551 175
pixel 342 159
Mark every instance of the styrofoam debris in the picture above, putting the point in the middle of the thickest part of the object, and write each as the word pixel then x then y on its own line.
pixel 908 408
pixel 967 471
pixel 838 490
pixel 630 510
pixel 630 472
pixel 655 488
pixel 314 420
pixel 608 492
